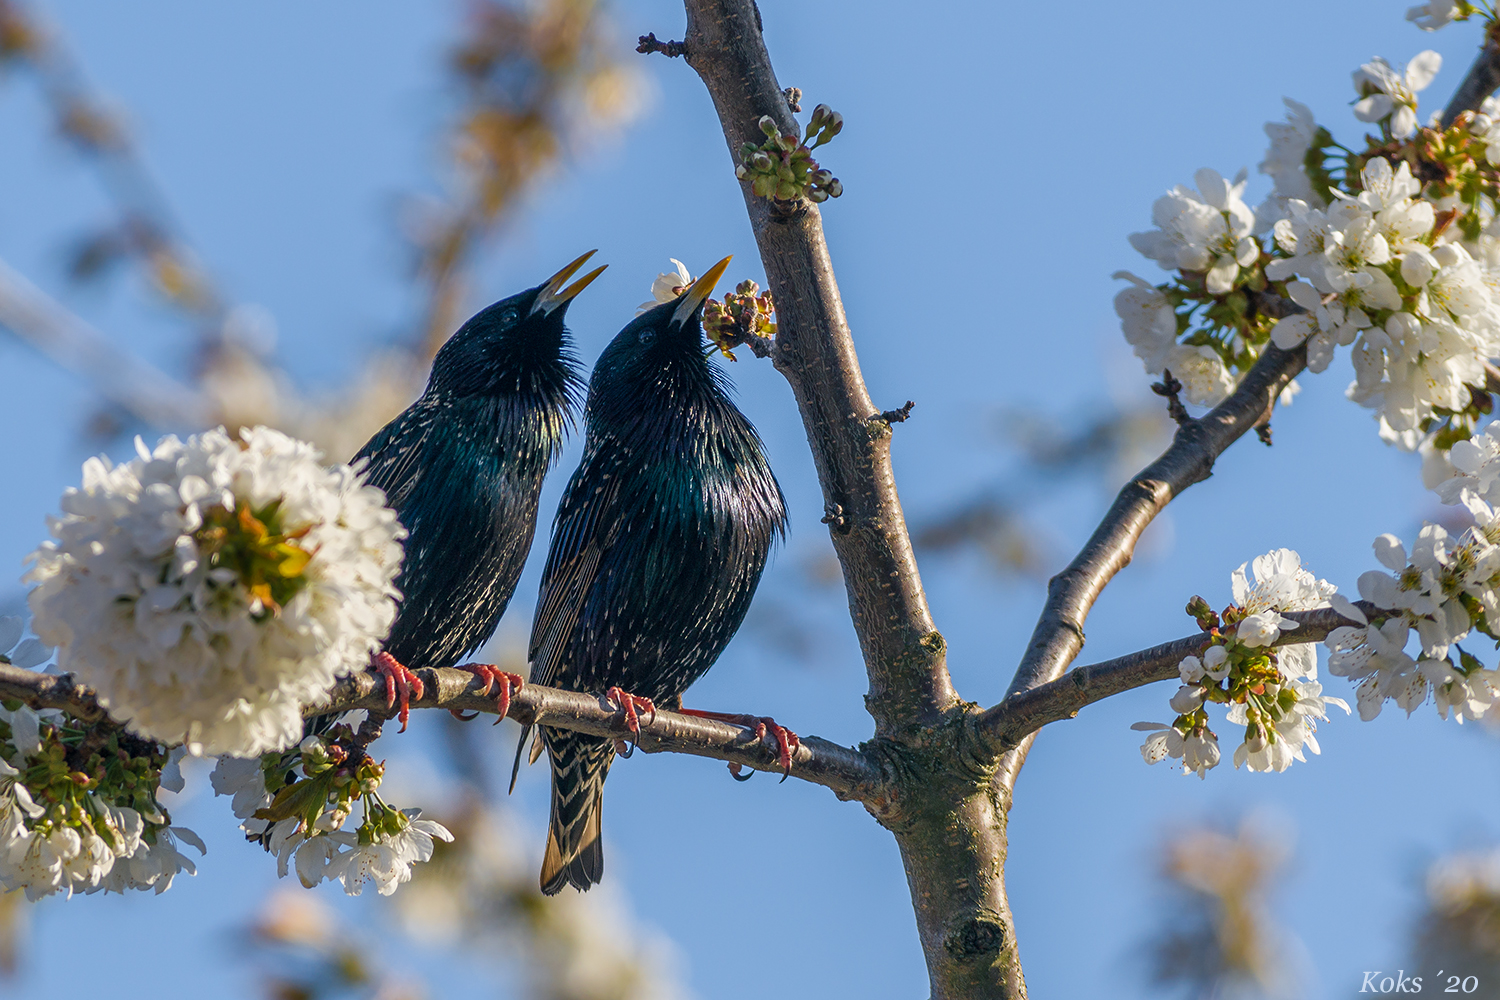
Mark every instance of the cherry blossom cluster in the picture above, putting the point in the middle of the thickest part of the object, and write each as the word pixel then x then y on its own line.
pixel 78 802
pixel 1391 249
pixel 782 168
pixel 210 588
pixel 296 803
pixel 1272 691
pixel 1446 588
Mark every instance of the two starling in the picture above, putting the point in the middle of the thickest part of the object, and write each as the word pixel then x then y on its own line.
pixel 658 546
pixel 463 469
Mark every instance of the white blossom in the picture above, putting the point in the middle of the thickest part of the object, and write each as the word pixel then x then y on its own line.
pixel 1205 380
pixel 1286 163
pixel 1388 94
pixel 667 286
pixel 1148 321
pixel 1281 584
pixel 185 650
pixel 1434 14
pixel 1198 751
pixel 1206 230
pixel 387 860
pixel 1275 749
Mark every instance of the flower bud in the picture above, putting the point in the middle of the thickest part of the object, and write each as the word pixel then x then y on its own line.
pixel 817 195
pixel 768 125
pixel 761 161
pixel 834 188
pixel 1188 699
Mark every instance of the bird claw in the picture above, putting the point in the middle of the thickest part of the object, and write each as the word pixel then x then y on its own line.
pixel 787 742
pixel 510 685
pixel 399 682
pixel 461 717
pixel 632 706
pixel 734 772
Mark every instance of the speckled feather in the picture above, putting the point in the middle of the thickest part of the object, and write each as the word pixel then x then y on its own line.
pixel 659 543
pixel 463 468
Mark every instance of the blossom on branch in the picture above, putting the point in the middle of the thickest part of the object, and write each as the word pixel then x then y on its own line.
pixel 1208 230
pixel 296 803
pixel 209 589
pixel 1270 690
pixel 1386 94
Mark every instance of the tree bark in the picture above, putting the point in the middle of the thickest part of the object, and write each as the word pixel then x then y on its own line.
pixel 938 799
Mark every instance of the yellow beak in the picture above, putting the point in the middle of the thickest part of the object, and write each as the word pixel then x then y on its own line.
pixel 550 298
pixel 700 290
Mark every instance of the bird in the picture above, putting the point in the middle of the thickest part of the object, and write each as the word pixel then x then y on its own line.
pixel 463 469
pixel 657 547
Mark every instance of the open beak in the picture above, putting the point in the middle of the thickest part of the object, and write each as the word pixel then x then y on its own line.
pixel 701 289
pixel 550 298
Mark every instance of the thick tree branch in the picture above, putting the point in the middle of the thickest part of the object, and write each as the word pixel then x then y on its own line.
pixel 849 773
pixel 1481 82
pixel 904 654
pixel 1022 714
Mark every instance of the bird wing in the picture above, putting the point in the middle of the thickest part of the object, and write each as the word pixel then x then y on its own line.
pixel 584 532
pixel 394 454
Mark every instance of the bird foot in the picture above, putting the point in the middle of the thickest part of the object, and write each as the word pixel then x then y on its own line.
pixel 787 742
pixel 399 682
pixel 632 706
pixel 510 684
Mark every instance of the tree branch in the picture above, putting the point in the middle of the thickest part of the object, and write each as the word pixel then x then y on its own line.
pixel 1481 81
pixel 849 773
pixel 1022 714
pixel 1190 459
pixel 144 392
pixel 903 652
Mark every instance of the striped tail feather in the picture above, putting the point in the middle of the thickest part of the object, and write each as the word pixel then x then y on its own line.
pixel 575 849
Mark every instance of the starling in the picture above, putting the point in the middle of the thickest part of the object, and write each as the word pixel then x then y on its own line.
pixel 463 469
pixel 658 545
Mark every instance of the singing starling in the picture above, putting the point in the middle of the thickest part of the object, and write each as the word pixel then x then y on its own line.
pixel 658 545
pixel 463 469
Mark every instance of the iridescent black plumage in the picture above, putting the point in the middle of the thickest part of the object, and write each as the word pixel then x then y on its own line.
pixel 463 468
pixel 658 546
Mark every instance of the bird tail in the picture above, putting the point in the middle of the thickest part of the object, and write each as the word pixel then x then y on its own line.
pixel 575 851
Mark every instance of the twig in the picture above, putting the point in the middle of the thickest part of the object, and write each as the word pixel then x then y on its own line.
pixel 1009 722
pixel 1170 388
pixel 794 99
pixel 649 44
pixel 896 416
pixel 142 391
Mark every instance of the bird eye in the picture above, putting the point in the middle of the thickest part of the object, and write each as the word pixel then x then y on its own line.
pixel 648 336
pixel 509 316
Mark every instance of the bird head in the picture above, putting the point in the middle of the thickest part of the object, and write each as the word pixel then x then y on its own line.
pixel 666 339
pixel 508 346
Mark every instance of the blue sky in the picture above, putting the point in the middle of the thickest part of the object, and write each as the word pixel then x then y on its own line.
pixel 994 159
